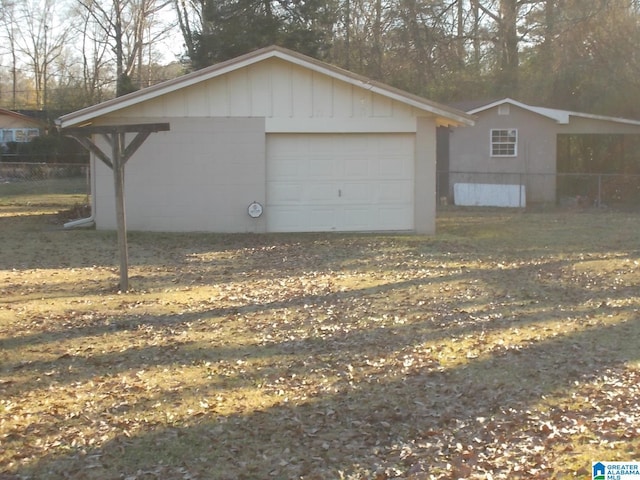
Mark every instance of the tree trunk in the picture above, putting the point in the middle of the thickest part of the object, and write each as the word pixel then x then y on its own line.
pixel 377 41
pixel 475 11
pixel 460 33
pixel 119 49
pixel 508 48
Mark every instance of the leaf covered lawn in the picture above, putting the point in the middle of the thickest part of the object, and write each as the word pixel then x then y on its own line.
pixel 506 346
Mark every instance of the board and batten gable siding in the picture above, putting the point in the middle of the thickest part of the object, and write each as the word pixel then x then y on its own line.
pixel 289 97
pixel 200 176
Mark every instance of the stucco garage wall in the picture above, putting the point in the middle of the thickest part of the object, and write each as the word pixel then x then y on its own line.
pixel 199 176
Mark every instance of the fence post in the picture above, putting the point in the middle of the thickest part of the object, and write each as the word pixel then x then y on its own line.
pixel 599 203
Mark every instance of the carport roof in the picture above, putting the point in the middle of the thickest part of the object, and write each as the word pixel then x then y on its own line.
pixel 445 115
pixel 562 117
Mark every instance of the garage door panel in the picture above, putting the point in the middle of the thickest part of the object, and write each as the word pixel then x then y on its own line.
pixel 318 168
pixel 289 219
pixel 358 218
pixel 356 193
pixel 286 193
pixel 322 218
pixel 395 166
pixel 359 167
pixel 285 168
pixel 283 219
pixel 320 193
pixel 343 182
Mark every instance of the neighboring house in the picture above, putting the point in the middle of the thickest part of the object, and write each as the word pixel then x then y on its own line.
pixel 515 145
pixel 317 147
pixel 18 128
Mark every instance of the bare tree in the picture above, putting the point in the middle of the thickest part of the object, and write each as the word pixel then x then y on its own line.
pixel 7 17
pixel 126 26
pixel 505 18
pixel 38 38
pixel 96 76
pixel 190 16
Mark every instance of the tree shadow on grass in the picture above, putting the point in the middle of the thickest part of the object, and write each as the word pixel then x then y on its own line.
pixel 261 254
pixel 355 421
pixel 431 320
pixel 357 425
pixel 532 288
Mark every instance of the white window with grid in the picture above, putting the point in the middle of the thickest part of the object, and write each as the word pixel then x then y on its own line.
pixel 19 135
pixel 504 142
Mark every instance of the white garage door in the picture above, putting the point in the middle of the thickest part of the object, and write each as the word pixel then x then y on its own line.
pixel 340 182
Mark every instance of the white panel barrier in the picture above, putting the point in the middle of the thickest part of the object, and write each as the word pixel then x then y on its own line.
pixel 489 195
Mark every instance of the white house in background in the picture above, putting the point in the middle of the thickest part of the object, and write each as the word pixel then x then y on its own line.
pixel 510 154
pixel 274 141
pixel 19 128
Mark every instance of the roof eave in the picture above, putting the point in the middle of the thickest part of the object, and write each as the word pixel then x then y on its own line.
pixel 25 118
pixel 562 117
pixel 545 112
pixel 604 118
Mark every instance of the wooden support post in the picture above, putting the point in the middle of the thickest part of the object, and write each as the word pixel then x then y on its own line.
pixel 120 153
pixel 117 147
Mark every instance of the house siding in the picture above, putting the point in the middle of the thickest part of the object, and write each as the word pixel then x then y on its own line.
pixel 535 162
pixel 535 165
pixel 11 122
pixel 200 176
pixel 273 89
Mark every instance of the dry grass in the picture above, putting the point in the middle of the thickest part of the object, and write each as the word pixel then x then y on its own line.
pixel 504 347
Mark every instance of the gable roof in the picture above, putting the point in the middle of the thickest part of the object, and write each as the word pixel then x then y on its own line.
pixel 445 115
pixel 559 116
pixel 22 117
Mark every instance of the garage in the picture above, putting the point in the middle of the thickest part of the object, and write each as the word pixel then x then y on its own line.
pixel 273 141
pixel 340 182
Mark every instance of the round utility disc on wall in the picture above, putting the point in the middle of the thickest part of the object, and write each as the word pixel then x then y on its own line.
pixel 254 210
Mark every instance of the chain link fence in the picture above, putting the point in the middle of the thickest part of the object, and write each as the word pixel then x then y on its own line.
pixel 19 180
pixel 619 191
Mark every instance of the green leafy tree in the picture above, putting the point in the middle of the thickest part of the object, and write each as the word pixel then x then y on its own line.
pixel 232 28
